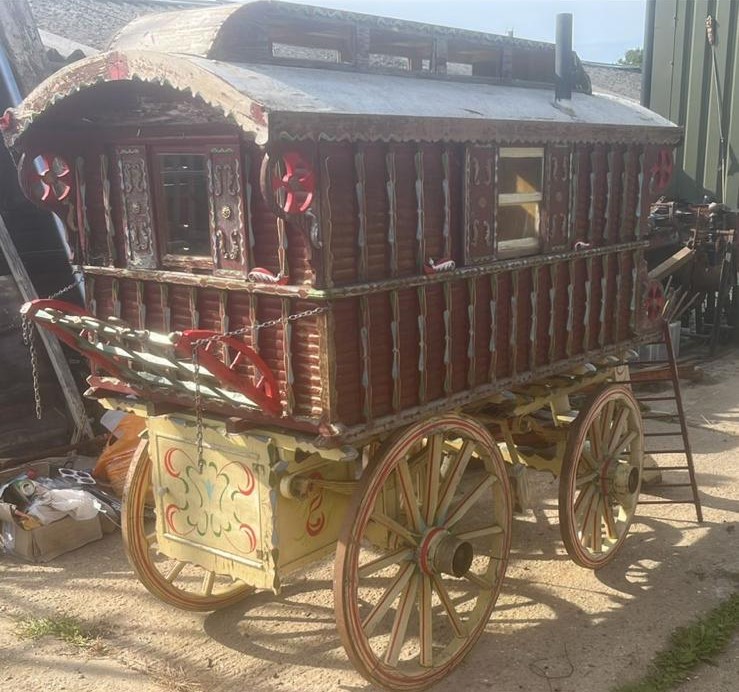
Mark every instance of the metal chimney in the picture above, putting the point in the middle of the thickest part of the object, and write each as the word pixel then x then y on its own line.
pixel 563 62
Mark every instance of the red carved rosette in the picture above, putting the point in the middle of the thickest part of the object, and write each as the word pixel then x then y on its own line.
pixel 8 122
pixel 661 171
pixel 287 183
pixel 48 181
pixel 653 303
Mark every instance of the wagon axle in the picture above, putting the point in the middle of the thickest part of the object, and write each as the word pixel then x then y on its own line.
pixel 442 553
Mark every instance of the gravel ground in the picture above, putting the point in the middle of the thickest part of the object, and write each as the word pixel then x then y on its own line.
pixel 557 627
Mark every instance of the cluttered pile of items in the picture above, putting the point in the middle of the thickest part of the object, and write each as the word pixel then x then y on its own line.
pixel 52 506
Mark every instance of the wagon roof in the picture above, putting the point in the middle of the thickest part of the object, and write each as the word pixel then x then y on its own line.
pixel 271 102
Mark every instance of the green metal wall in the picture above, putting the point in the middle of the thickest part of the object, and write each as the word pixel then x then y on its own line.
pixel 683 89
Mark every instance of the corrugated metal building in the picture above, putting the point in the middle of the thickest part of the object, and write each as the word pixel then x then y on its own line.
pixel 697 86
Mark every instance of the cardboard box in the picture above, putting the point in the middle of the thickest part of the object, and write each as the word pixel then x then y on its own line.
pixel 47 542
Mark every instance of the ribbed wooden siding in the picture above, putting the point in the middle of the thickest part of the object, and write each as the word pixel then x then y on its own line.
pixel 683 89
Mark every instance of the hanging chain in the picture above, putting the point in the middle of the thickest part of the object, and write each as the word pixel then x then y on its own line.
pixel 29 331
pixel 29 341
pixel 220 337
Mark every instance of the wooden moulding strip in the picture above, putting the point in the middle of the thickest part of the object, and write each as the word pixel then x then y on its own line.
pixel 513 331
pixel 392 212
pixel 534 330
pixel 90 302
pixel 361 178
pixel 619 297
pixel 366 341
pixel 420 217
pixel 287 357
pixel 422 345
pixel 308 293
pixel 603 294
pixel 327 228
pixel 166 310
pixel 252 320
pixel 588 302
pixel 570 306
pixel 282 247
pixel 140 304
pixel 448 364
pixel 492 371
pixel 472 332
pixel 248 213
pixel 395 330
pixel 192 299
pixel 82 220
pixel 327 364
pixel 446 228
pixel 634 291
pixel 223 311
pixel 107 209
pixel 552 310
pixel 115 297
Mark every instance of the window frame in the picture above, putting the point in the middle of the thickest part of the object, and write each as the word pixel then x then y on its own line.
pixel 169 260
pixel 521 247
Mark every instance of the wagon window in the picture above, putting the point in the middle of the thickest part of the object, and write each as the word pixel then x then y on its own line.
pixel 184 205
pixel 520 174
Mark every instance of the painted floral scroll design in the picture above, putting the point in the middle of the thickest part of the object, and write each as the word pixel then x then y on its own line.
pixel 213 504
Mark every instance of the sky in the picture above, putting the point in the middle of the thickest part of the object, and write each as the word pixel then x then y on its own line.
pixel 603 29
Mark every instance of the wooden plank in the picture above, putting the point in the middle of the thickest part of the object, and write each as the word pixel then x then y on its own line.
pixel 56 356
pixel 672 264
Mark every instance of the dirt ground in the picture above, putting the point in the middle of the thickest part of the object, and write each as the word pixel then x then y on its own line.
pixel 557 627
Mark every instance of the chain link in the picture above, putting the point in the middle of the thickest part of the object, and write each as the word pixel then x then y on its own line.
pixel 254 328
pixel 30 342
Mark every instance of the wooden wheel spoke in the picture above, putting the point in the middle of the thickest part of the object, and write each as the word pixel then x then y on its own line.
pixel 618 428
pixel 595 434
pixel 409 494
pixel 478 581
pixel 610 522
pixel 446 601
pixel 585 478
pixel 174 571
pixel 208 581
pixel 386 600
pixel 151 538
pixel 454 475
pixel 425 617
pixel 627 439
pixel 433 472
pixel 596 530
pixel 392 525
pixel 587 456
pixel 469 501
pixel 400 622
pixel 491 530
pixel 606 418
pixel 582 501
pixel 381 563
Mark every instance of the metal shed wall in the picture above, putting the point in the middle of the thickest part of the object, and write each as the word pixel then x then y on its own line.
pixel 683 89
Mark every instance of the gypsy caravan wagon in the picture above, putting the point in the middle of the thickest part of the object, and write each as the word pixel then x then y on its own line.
pixel 354 272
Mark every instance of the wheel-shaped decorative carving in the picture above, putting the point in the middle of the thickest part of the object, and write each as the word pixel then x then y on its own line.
pixel 654 301
pixel 178 583
pixel 662 170
pixel 223 356
pixel 601 476
pixel 287 183
pixel 47 179
pixel 423 553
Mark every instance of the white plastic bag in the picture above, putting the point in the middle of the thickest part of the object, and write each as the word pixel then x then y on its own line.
pixel 51 505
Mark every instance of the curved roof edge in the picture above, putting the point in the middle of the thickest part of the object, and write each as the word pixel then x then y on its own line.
pixel 206 32
pixel 178 72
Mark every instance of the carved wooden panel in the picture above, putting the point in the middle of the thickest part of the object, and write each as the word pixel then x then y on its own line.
pixel 227 221
pixel 136 209
pixel 557 198
pixel 479 203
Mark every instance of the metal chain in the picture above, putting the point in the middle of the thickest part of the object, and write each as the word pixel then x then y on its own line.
pixel 29 341
pixel 220 337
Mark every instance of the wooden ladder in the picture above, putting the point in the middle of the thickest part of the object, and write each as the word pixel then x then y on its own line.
pixel 666 370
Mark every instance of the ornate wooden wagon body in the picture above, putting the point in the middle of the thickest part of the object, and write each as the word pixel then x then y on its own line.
pixel 344 265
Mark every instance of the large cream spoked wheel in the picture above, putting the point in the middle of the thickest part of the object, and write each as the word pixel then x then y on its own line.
pixel 176 582
pixel 423 553
pixel 601 476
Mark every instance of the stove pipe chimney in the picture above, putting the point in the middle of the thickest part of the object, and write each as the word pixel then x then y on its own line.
pixel 563 63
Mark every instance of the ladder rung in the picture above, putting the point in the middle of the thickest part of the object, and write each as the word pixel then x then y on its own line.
pixel 670 485
pixel 651 362
pixel 665 451
pixel 666 502
pixel 656 398
pixel 658 416
pixel 662 434
pixel 671 468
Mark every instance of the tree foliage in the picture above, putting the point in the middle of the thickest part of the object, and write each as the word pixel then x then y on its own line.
pixel 632 57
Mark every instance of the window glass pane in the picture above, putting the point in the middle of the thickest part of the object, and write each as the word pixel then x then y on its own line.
pixel 517 175
pixel 185 183
pixel 517 221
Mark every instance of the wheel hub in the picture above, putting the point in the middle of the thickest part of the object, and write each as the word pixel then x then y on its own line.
pixel 621 479
pixel 442 553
